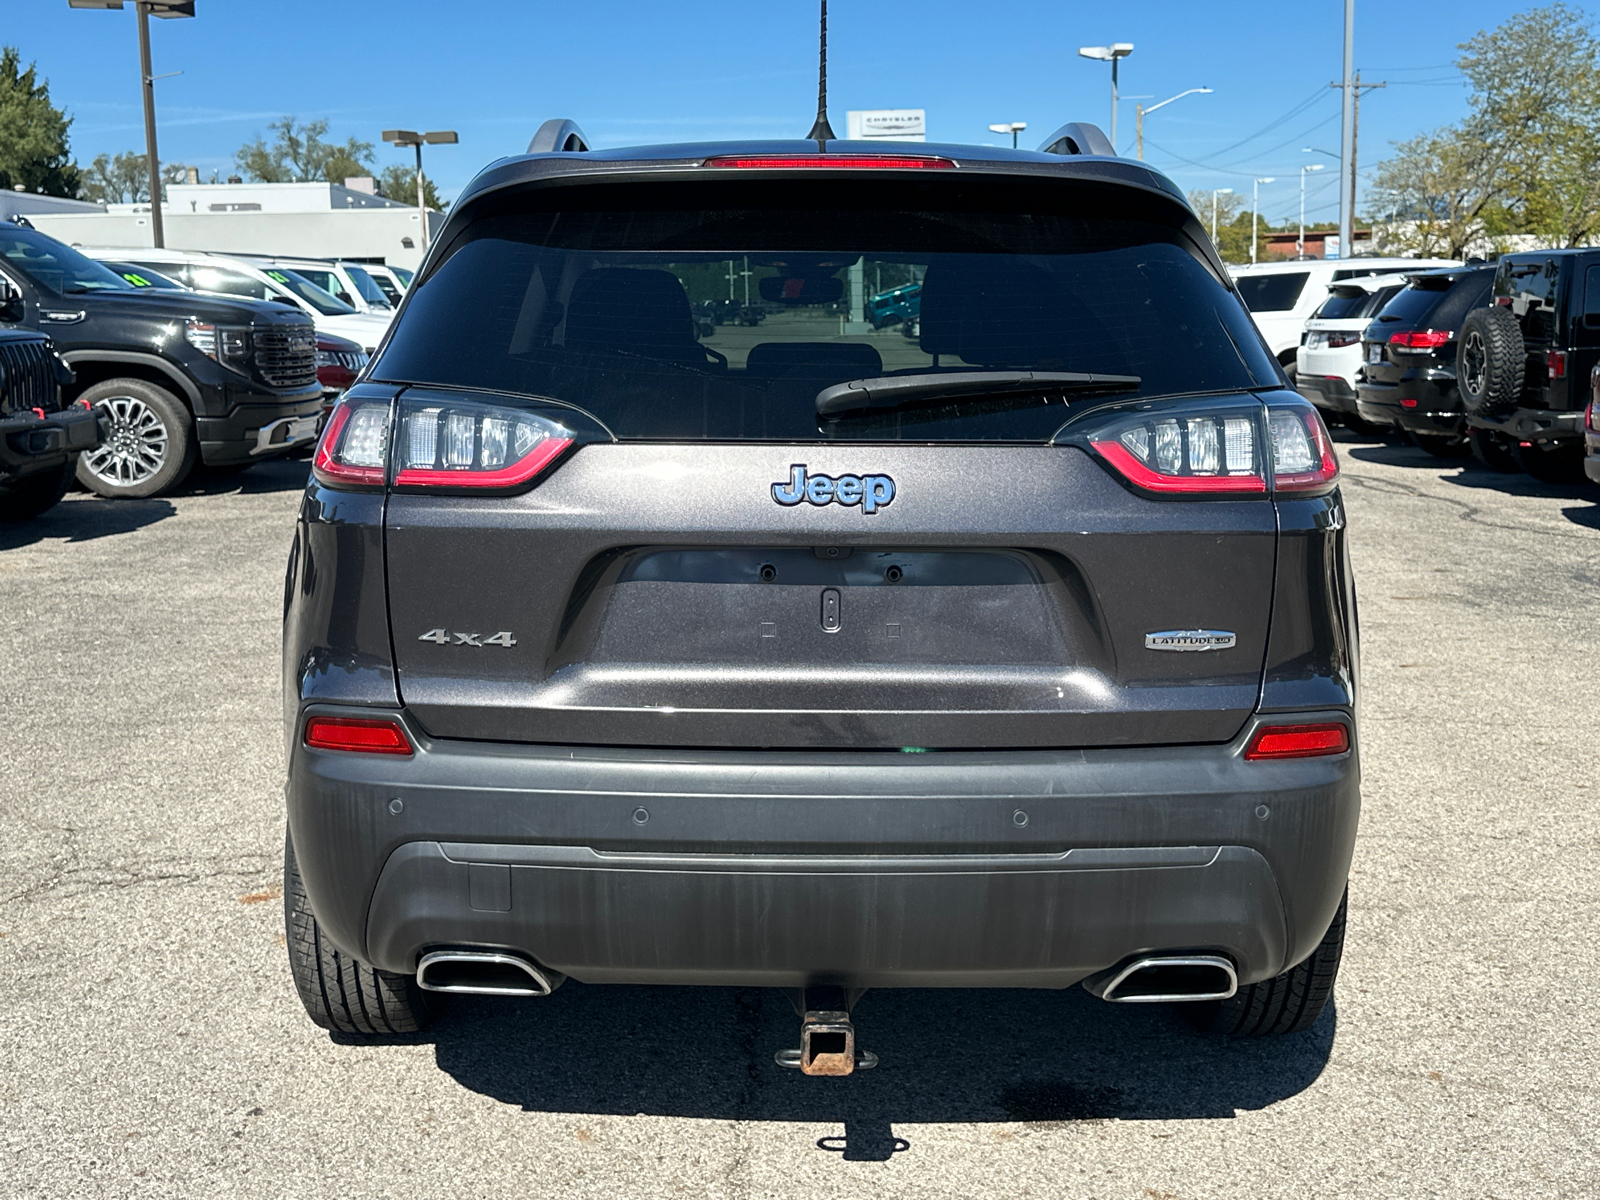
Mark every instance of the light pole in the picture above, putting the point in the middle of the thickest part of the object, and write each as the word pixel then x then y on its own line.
pixel 1011 127
pixel 1141 112
pixel 1300 242
pixel 169 10
pixel 1255 211
pixel 1112 54
pixel 1215 192
pixel 409 137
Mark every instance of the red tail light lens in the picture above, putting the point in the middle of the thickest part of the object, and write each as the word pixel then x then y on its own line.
pixel 1302 452
pixel 1556 362
pixel 1422 339
pixel 836 162
pixel 357 735
pixel 1186 454
pixel 354 448
pixel 1299 741
pixel 1335 340
pixel 466 444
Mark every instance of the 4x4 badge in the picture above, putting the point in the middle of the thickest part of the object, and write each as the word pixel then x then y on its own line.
pixel 1190 639
pixel 871 492
pixel 440 637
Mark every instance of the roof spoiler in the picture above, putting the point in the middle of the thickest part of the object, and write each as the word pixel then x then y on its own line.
pixel 556 136
pixel 1076 137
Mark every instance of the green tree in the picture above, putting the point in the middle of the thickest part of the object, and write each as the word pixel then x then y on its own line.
pixel 400 183
pixel 123 179
pixel 34 154
pixel 300 154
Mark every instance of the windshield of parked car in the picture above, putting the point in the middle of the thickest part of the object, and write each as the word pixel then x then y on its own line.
pixel 404 276
pixel 1277 291
pixel 324 302
pixel 54 266
pixel 719 311
pixel 144 277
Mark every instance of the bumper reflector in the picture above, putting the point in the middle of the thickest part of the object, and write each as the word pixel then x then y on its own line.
pixel 357 735
pixel 1299 741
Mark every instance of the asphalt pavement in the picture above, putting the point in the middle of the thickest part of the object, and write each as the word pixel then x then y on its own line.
pixel 151 1043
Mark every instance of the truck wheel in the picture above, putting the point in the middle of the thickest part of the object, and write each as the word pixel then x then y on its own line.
pixel 1558 463
pixel 342 993
pixel 1491 361
pixel 35 494
pixel 151 448
pixel 1287 1003
pixel 1491 449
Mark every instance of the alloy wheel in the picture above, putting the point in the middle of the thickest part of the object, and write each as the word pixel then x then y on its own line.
pixel 135 449
pixel 1474 363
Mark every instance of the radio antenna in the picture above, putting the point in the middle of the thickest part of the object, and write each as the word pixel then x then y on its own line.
pixel 822 132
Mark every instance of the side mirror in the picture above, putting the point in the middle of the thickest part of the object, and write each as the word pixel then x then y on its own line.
pixel 345 296
pixel 9 295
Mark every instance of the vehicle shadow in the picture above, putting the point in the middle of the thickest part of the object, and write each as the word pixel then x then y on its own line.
pixel 1040 1057
pixel 85 521
pixel 274 475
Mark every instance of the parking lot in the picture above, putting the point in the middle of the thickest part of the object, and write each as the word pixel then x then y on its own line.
pixel 151 1042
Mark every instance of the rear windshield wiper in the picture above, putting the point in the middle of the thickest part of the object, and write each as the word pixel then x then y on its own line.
pixel 894 391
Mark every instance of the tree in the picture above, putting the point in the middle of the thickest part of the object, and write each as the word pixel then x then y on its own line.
pixel 400 183
pixel 33 132
pixel 124 179
pixel 1527 157
pixel 299 154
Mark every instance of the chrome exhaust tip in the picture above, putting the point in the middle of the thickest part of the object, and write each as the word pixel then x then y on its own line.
pixel 485 973
pixel 1165 979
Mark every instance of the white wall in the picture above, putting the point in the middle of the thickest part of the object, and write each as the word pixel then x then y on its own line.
pixel 337 233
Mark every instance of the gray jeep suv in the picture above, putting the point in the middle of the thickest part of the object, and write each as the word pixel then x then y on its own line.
pixel 1021 654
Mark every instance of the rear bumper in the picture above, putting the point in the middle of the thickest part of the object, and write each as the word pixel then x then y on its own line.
pixel 1020 869
pixel 1330 392
pixel 1536 425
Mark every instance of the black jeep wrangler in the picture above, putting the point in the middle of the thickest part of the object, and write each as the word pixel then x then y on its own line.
pixel 39 439
pixel 183 377
pixel 1524 362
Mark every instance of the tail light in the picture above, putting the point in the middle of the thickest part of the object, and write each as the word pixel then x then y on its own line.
pixel 1221 453
pixel 1422 339
pixel 1555 362
pixel 1590 417
pixel 454 445
pixel 1299 741
pixel 357 735
pixel 1335 340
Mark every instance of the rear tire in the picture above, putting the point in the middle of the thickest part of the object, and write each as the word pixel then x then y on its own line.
pixel 152 447
pixel 1287 1003
pixel 1443 446
pixel 1490 448
pixel 341 993
pixel 36 494
pixel 1491 361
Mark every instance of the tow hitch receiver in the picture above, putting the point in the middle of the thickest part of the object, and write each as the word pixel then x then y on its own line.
pixel 827 1036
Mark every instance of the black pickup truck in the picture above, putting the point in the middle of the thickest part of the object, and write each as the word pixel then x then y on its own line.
pixel 182 377
pixel 39 438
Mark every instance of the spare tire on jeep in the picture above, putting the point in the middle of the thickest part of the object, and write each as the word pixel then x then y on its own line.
pixel 1491 360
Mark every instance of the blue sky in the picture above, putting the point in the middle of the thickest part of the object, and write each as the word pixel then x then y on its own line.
pixel 632 72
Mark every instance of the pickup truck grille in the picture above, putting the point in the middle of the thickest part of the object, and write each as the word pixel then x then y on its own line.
pixel 286 356
pixel 28 376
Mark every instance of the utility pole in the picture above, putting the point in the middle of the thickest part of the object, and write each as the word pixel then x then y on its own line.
pixel 1347 136
pixel 1140 111
pixel 1255 211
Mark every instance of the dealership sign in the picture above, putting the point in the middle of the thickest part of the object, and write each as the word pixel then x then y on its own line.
pixel 889 124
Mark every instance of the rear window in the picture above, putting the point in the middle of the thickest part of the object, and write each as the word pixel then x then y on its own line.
pixel 1338 307
pixel 699 311
pixel 1277 292
pixel 1428 305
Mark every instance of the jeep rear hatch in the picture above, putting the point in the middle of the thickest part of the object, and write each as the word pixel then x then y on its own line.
pixel 698 556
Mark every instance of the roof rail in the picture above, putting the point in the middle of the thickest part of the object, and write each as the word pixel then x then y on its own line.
pixel 557 135
pixel 1078 137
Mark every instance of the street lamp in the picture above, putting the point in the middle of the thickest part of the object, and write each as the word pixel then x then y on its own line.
pixel 1140 112
pixel 168 10
pixel 410 137
pixel 1215 192
pixel 1255 211
pixel 1300 242
pixel 1011 127
pixel 1112 54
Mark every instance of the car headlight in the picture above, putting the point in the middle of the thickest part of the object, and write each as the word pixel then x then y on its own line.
pixel 227 344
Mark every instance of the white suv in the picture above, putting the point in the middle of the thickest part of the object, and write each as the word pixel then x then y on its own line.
pixel 239 276
pixel 1329 356
pixel 1282 295
pixel 347 281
